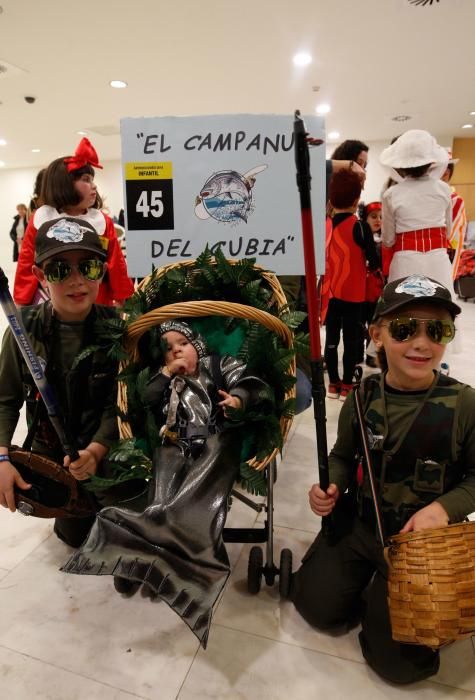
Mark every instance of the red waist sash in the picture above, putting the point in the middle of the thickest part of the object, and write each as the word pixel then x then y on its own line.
pixel 423 240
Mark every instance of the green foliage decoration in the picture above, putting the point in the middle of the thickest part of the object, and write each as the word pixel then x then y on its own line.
pixel 212 277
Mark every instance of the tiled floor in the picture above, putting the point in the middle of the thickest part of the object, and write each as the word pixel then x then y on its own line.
pixel 70 637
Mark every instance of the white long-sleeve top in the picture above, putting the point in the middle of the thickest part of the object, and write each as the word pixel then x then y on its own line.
pixel 413 204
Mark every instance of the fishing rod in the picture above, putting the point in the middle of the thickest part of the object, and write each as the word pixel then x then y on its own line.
pixel 302 162
pixel 35 366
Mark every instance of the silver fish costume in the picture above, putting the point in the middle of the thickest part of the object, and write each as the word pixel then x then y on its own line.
pixel 175 546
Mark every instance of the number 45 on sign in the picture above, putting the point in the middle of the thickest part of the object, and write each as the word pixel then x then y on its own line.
pixel 149 196
pixel 155 208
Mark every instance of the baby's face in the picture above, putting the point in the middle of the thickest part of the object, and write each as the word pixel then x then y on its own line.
pixel 180 355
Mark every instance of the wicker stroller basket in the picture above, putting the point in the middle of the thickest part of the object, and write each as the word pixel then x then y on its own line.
pixel 194 309
pixel 431 586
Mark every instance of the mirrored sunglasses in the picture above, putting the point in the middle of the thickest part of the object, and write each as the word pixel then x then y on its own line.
pixel 58 270
pixel 439 331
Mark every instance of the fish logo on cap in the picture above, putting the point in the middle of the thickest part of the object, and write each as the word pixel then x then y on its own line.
pixel 67 231
pixel 418 286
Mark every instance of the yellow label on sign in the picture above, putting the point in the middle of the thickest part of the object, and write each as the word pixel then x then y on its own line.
pixel 148 171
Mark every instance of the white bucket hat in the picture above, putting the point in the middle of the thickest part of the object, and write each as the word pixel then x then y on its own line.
pixel 412 149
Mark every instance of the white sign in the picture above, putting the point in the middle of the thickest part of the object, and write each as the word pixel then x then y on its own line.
pixel 222 180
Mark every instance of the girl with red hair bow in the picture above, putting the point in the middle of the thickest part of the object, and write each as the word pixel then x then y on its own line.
pixel 371 214
pixel 68 188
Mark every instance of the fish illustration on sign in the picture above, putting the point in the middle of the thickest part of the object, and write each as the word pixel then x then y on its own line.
pixel 227 195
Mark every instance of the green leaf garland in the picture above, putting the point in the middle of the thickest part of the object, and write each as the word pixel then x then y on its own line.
pixel 210 278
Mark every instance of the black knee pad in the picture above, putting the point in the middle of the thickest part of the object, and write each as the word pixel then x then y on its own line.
pixel 414 663
pixel 73 531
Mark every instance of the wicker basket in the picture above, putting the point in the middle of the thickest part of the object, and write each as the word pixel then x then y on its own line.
pixel 431 586
pixel 190 309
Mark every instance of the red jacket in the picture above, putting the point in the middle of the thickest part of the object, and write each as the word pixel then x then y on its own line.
pixel 346 263
pixel 116 285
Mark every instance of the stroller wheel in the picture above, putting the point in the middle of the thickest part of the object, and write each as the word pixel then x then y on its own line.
pixel 285 573
pixel 254 570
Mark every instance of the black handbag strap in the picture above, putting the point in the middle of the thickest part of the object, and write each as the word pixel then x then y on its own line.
pixel 28 442
pixel 366 456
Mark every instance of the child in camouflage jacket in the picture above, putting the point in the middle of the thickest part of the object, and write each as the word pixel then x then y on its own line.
pixel 421 430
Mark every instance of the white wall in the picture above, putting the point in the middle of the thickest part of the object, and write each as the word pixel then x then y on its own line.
pixel 15 188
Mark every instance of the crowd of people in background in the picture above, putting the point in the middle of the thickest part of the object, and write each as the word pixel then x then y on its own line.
pixel 418 227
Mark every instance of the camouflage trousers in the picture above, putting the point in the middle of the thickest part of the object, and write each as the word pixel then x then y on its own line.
pixel 342 581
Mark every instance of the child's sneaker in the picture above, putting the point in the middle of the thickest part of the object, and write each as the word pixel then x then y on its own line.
pixel 345 390
pixel 333 391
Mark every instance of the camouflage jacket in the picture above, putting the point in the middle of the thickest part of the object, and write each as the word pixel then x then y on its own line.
pixel 422 448
pixel 86 395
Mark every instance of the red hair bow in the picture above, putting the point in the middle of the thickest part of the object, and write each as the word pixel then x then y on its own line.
pixel 85 154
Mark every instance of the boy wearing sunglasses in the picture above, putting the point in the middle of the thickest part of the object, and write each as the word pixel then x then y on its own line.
pixel 70 263
pixel 421 430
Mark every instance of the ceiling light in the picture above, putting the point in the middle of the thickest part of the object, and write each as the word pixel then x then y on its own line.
pixel 467 126
pixel 81 133
pixel 3 142
pixel 2 163
pixel 472 114
pixel 35 150
pixel 118 84
pixel 333 135
pixel 302 59
pixel 323 109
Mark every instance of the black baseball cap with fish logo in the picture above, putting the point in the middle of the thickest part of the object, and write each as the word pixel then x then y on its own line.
pixel 67 234
pixel 415 289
